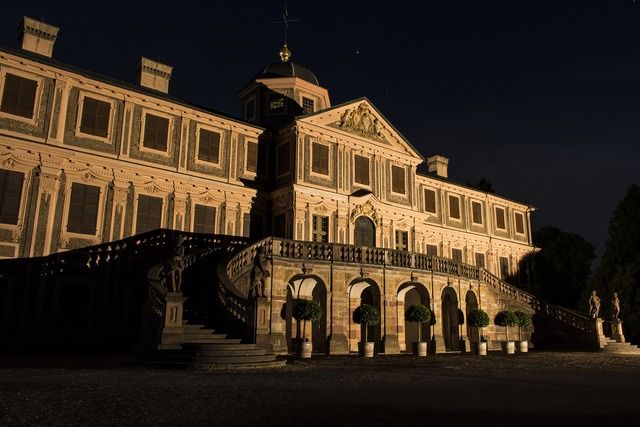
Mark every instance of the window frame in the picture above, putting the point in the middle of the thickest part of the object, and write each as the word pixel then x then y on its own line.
pixel 78 130
pixel 248 172
pixel 255 108
pixel 277 168
pixel 329 173
pixel 313 104
pixel 459 198
pixel 162 197
pixel 193 216
pixel 199 128
pixel 504 213
pixel 364 156
pixel 435 200
pixel 405 237
pixel 404 170
pixel 84 179
pixel 314 233
pixel 38 96
pixel 141 147
pixel 515 223
pixel 473 221
pixel 459 250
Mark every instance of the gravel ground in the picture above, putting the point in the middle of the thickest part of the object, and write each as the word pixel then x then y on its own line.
pixel 552 388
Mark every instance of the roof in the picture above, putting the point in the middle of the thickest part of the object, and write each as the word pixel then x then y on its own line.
pixel 288 69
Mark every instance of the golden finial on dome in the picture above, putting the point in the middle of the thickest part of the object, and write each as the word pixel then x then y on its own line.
pixel 285 53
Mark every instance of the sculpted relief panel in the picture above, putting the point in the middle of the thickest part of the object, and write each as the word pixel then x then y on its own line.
pixel 360 121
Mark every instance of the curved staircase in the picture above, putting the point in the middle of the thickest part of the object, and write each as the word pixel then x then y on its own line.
pixel 613 346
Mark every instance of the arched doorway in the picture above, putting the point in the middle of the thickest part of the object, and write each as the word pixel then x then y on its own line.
pixel 365 232
pixel 364 292
pixel 309 288
pixel 450 319
pixel 472 304
pixel 408 295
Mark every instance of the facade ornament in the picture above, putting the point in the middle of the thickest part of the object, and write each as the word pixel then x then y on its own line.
pixel 48 183
pixel 615 306
pixel 594 305
pixel 360 121
pixel 176 264
pixel 363 274
pixel 258 275
pixel 366 209
pixel 120 195
pixel 16 234
pixel 9 163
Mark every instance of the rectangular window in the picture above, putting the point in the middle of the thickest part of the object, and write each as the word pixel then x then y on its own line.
pixel 10 196
pixel 279 225
pixel 454 207
pixel 209 146
pixel 18 96
pixel 504 267
pixel 429 201
pixel 320 228
pixel 204 219
pixel 361 166
pixel 284 159
pixel 500 222
pixel 476 212
pixel 250 109
pixel 83 208
pixel 255 227
pixel 95 117
pixel 456 255
pixel 480 260
pixel 156 132
pixel 402 240
pixel 252 157
pixel 397 179
pixel 432 250
pixel 519 223
pixel 308 105
pixel 149 213
pixel 276 103
pixel 320 158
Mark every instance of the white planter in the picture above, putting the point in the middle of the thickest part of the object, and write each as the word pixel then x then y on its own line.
pixel 366 349
pixel 509 347
pixel 305 350
pixel 523 346
pixel 481 348
pixel 420 348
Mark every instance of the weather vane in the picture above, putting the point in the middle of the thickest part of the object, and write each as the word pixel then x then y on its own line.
pixel 285 53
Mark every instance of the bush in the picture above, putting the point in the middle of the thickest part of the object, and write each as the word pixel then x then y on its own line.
pixel 478 318
pixel 505 318
pixel 522 319
pixel 418 313
pixel 307 310
pixel 366 315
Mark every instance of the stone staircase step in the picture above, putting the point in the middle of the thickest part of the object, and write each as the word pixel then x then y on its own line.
pixel 228 344
pixel 244 352
pixel 239 366
pixel 232 360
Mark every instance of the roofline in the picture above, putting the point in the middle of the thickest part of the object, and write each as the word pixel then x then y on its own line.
pixel 121 84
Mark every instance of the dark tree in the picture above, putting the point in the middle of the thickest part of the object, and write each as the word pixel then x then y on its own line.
pixel 562 268
pixel 483 185
pixel 619 269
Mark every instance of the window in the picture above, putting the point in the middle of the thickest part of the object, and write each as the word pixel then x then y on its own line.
pixel 18 96
pixel 252 157
pixel 402 240
pixel 429 200
pixel 308 105
pixel 456 254
pixel 476 212
pixel 480 260
pixel 284 159
pixel 500 222
pixel 204 219
pixel 276 103
pixel 320 228
pixel 250 109
pixel 83 209
pixel 255 226
pixel 149 213
pixel 209 146
pixel 432 250
pixel 504 267
pixel 397 179
pixel 361 166
pixel 519 223
pixel 454 207
pixel 95 117
pixel 10 196
pixel 320 158
pixel 278 225
pixel 156 132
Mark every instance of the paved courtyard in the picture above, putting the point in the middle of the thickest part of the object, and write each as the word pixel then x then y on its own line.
pixel 535 389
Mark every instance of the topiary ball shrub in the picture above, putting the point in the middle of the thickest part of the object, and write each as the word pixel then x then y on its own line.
pixel 505 318
pixel 367 315
pixel 478 318
pixel 522 319
pixel 418 313
pixel 307 310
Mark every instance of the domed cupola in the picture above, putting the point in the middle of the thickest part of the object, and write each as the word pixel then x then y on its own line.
pixel 282 91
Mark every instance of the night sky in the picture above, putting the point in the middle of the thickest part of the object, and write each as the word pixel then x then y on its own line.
pixel 541 98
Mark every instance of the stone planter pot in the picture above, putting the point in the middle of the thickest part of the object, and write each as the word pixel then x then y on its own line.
pixel 508 347
pixel 420 348
pixel 305 350
pixel 481 348
pixel 523 346
pixel 366 349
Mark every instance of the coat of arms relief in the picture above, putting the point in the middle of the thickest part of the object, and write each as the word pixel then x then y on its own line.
pixel 360 121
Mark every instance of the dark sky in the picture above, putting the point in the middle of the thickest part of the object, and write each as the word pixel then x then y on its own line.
pixel 542 98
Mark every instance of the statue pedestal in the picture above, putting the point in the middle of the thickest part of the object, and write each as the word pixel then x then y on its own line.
pixel 616 330
pixel 260 322
pixel 172 329
pixel 600 338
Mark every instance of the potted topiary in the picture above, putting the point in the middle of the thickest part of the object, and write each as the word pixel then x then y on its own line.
pixel 419 314
pixel 479 319
pixel 306 310
pixel 506 318
pixel 366 315
pixel 522 321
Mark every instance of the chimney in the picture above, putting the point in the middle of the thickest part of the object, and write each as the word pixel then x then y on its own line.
pixel 38 37
pixel 438 165
pixel 154 75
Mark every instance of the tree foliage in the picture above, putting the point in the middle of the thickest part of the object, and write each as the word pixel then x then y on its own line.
pixel 619 269
pixel 307 310
pixel 418 313
pixel 562 267
pixel 482 184
pixel 478 318
pixel 367 315
pixel 505 318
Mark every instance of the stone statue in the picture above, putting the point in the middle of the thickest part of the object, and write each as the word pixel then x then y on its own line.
pixel 176 265
pixel 258 275
pixel 615 306
pixel 594 305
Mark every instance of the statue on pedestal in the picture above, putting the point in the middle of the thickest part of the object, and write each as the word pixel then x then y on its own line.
pixel 615 306
pixel 594 305
pixel 258 275
pixel 176 265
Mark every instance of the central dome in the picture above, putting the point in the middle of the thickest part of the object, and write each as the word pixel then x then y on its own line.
pixel 288 69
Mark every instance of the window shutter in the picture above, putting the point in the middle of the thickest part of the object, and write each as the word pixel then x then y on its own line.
pixel 95 117
pixel 519 223
pixel 479 260
pixel 156 131
pixel 454 207
pixel 432 250
pixel 149 215
pixel 397 179
pixel 402 240
pixel 209 146
pixel 429 200
pixel 500 222
pixel 11 188
pixel 361 165
pixel 252 157
pixel 83 209
pixel 476 212
pixel 320 159
pixel 456 254
pixel 204 219
pixel 19 96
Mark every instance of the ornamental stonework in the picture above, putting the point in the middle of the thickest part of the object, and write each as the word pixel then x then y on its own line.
pixel 360 121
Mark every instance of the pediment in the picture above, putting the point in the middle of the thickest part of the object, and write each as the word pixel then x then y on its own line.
pixel 361 119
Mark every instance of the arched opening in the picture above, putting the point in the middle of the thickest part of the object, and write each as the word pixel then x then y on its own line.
pixel 472 304
pixel 450 319
pixel 309 288
pixel 408 295
pixel 365 232
pixel 364 292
